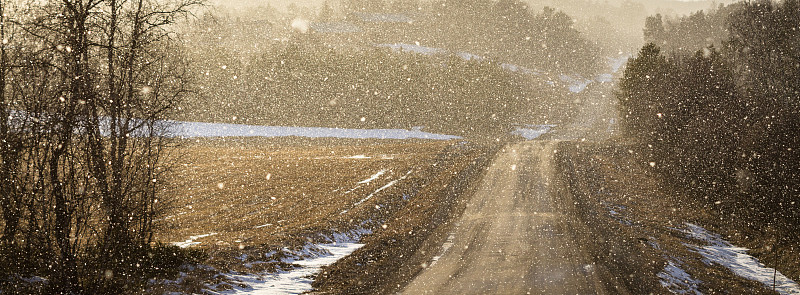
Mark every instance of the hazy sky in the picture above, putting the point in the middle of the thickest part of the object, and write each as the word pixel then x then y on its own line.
pixel 317 3
pixel 274 3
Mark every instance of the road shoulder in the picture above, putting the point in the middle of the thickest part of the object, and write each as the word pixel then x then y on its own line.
pixel 645 231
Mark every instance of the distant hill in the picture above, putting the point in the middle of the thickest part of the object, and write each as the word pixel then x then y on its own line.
pixel 487 71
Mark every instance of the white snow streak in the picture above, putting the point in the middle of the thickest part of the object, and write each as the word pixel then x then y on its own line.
pixel 373 177
pixel 388 185
pixel 191 242
pixel 736 259
pixel 446 246
pixel 414 48
pixel 575 83
pixel 358 157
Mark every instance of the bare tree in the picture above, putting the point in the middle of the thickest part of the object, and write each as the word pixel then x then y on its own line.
pixel 83 136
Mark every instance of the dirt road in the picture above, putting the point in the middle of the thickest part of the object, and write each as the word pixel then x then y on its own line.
pixel 518 235
pixel 520 232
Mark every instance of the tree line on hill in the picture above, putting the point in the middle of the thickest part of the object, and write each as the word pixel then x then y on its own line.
pixel 83 87
pixel 511 31
pixel 305 84
pixel 506 30
pixel 720 108
pixel 301 79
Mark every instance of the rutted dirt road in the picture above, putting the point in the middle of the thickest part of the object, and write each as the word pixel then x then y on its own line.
pixel 519 234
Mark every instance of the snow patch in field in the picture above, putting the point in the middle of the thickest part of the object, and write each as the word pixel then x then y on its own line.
pixel 200 129
pixel 519 69
pixel 677 280
pixel 309 260
pixel 531 132
pixel 388 185
pixel 415 48
pixel 469 56
pixel 737 260
pixel 358 157
pixel 373 177
pixel 191 240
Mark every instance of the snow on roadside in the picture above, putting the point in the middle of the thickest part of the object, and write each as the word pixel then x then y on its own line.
pixel 737 260
pixel 191 240
pixel 677 280
pixel 446 246
pixel 310 259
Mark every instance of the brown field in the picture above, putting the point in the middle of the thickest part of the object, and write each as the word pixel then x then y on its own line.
pixel 256 195
pixel 267 191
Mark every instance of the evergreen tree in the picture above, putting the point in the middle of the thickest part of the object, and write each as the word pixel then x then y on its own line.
pixel 642 91
pixel 654 29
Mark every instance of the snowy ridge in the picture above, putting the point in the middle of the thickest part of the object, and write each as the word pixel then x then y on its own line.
pixel 577 83
pixel 736 259
pixel 366 181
